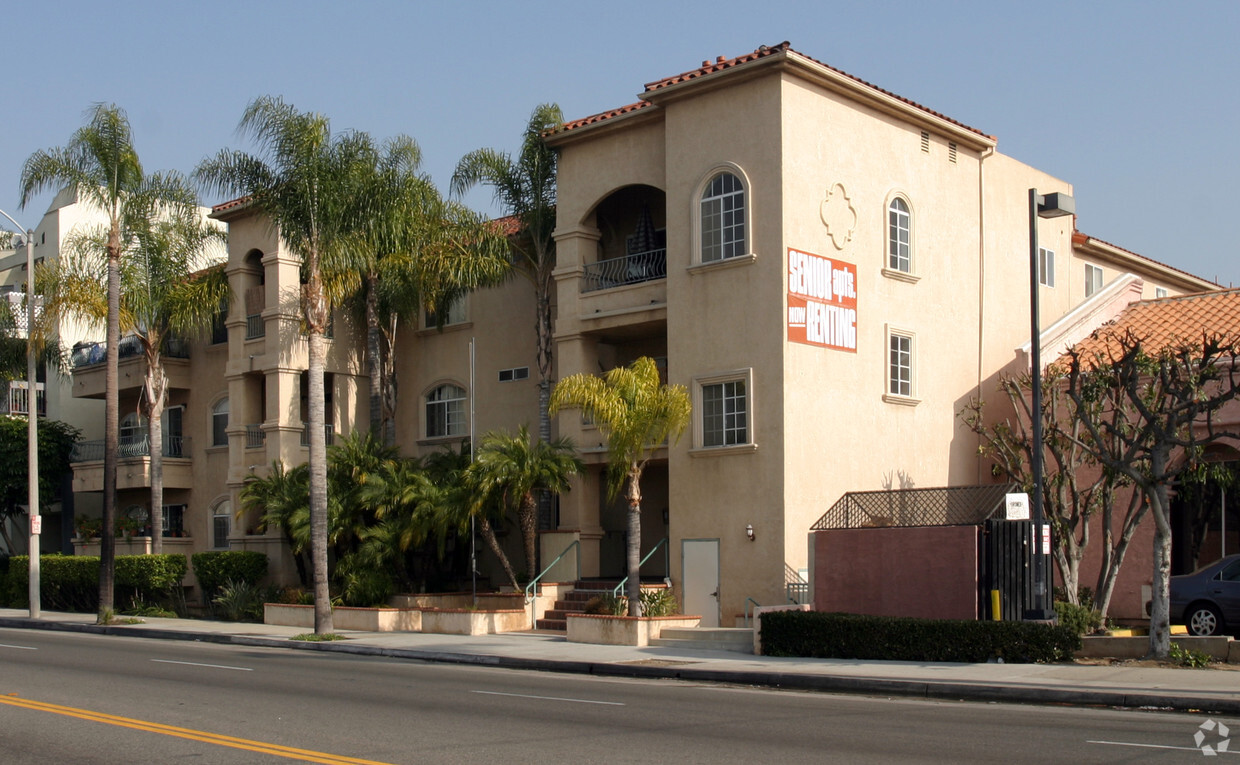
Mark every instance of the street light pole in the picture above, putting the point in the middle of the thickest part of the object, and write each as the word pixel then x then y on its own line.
pixel 32 432
pixel 1048 206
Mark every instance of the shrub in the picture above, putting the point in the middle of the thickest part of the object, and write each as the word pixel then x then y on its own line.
pixel 659 602
pixel 71 582
pixel 241 601
pixel 886 638
pixel 1082 620
pixel 1187 657
pixel 606 604
pixel 294 596
pixel 365 587
pixel 216 568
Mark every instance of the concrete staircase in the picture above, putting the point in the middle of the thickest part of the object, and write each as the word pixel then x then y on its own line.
pixel 737 639
pixel 573 602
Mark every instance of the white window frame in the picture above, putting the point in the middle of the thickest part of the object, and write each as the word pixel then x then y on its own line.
pixel 451 406
pixel 1046 267
pixel 215 415
pixel 900 377
pixel 900 253
pixel 221 519
pixel 1160 292
pixel 740 251
pixel 1093 279
pixel 700 385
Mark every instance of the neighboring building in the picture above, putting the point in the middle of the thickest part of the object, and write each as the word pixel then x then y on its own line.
pixel 831 270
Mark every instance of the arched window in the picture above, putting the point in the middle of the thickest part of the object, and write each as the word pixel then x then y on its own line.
pixel 899 229
pixel 219 423
pixel 445 411
pixel 221 524
pixel 723 219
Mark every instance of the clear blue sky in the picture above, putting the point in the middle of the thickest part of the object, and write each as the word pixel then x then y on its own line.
pixel 1135 103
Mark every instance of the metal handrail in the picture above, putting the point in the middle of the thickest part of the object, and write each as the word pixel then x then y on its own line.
pixel 532 586
pixel 626 269
pixel 666 565
pixel 756 605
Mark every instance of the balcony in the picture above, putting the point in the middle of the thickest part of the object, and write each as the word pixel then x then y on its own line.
pixel 134 471
pixel 255 436
pixel 627 269
pixel 330 434
pixel 87 364
pixel 18 401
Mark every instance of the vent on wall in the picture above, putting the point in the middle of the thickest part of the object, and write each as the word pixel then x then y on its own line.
pixel 925 142
pixel 951 153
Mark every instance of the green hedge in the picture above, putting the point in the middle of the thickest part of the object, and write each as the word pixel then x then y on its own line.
pixel 71 582
pixel 217 568
pixel 886 638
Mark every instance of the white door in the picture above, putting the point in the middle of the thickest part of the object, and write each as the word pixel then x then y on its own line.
pixel 701 577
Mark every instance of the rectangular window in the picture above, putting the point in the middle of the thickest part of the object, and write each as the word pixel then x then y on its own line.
pixel 1160 292
pixel 221 527
pixel 900 365
pixel 516 373
pixel 1046 267
pixel 174 521
pixel 1093 279
pixel 725 414
pixel 454 315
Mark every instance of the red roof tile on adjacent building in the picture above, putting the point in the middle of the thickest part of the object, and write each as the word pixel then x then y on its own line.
pixel 230 204
pixel 1167 322
pixel 721 64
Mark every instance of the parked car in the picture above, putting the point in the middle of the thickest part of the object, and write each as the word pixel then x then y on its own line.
pixel 1208 600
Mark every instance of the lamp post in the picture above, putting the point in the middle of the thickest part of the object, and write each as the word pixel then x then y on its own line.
pixel 32 433
pixel 1048 206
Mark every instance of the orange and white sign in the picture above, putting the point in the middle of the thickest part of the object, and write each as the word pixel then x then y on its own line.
pixel 822 301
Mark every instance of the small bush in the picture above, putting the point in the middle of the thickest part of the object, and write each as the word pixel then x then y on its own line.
pixel 886 638
pixel 294 596
pixel 606 604
pixel 366 587
pixel 240 601
pixel 216 568
pixel 659 602
pixel 1082 620
pixel 1187 657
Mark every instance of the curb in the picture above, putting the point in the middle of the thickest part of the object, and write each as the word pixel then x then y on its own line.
pixel 870 686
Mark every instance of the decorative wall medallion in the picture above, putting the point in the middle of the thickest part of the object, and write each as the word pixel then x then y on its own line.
pixel 839 216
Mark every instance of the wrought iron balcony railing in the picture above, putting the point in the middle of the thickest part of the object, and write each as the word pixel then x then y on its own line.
pixel 129 446
pixel 90 354
pixel 629 269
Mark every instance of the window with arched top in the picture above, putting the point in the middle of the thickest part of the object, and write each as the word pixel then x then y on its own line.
pixel 221 524
pixel 722 219
pixel 445 411
pixel 899 236
pixel 219 423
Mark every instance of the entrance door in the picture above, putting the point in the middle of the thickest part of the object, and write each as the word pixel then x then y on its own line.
pixel 701 577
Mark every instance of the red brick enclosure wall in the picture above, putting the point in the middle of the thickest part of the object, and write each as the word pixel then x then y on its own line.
pixel 929 572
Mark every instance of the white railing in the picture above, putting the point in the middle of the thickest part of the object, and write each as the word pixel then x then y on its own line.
pixel 628 269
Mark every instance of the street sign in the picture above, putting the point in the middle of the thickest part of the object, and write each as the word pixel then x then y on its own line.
pixel 1046 539
pixel 1016 506
pixel 36 524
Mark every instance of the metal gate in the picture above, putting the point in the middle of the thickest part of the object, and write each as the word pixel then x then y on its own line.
pixel 1007 566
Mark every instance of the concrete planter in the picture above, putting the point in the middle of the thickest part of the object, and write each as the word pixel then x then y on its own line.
pixel 461 621
pixel 346 618
pixel 623 630
pixel 490 601
pixel 1219 648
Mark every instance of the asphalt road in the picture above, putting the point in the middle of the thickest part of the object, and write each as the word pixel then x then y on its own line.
pixel 100 699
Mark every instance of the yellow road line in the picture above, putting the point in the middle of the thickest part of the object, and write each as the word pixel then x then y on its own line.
pixel 306 755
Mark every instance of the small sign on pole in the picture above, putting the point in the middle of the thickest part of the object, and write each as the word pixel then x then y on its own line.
pixel 1017 506
pixel 36 524
pixel 1046 539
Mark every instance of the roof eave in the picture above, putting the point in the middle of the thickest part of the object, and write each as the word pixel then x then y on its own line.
pixel 1096 248
pixel 628 119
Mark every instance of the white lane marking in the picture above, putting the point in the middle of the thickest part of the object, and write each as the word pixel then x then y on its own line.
pixel 23 647
pixel 196 664
pixel 1156 746
pixel 550 698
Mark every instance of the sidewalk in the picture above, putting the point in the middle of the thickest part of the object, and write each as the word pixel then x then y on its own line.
pixel 1206 690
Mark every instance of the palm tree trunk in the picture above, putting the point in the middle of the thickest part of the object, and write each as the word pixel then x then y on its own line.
pixel 374 364
pixel 156 394
pixel 111 431
pixel 318 483
pixel 484 525
pixel 527 517
pixel 633 548
pixel 545 357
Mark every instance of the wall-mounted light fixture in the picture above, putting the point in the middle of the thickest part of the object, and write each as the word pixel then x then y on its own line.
pixel 749 531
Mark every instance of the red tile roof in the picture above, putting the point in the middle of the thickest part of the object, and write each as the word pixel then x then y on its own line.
pixel 231 204
pixel 721 64
pixel 1166 322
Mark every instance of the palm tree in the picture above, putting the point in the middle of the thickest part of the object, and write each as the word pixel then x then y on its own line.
pixel 282 499
pixel 464 500
pixel 305 183
pixel 514 468
pixel 169 293
pixel 414 251
pixel 637 414
pixel 101 167
pixel 525 188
